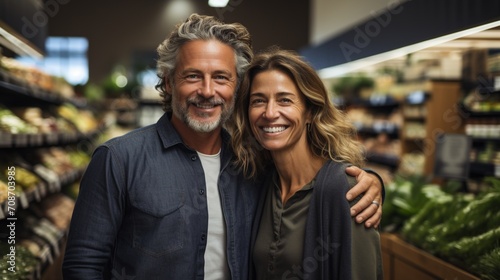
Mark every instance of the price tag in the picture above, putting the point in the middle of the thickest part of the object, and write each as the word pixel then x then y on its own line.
pixel 23 200
pixel 21 140
pixel 5 139
pixel 45 254
pixel 52 234
pixel 49 176
pixel 36 193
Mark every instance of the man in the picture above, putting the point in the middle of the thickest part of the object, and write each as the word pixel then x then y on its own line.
pixel 165 201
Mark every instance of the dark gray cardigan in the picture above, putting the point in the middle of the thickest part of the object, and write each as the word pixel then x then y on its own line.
pixel 327 244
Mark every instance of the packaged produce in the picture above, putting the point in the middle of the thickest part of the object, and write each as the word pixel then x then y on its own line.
pixel 11 123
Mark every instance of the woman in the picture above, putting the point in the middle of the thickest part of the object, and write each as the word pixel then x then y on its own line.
pixel 303 228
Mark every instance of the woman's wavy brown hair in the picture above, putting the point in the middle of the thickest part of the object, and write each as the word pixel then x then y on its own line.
pixel 331 135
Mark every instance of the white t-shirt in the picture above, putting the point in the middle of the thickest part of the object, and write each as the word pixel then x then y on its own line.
pixel 215 253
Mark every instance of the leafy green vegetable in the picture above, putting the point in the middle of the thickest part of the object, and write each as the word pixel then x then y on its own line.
pixel 468 249
pixel 488 265
pixel 461 228
pixel 433 213
pixel 25 264
pixel 479 215
pixel 404 197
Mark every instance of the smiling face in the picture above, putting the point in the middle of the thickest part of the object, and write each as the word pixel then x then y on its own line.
pixel 277 112
pixel 204 84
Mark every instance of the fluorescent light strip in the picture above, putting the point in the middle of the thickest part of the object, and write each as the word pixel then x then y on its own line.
pixel 342 69
pixel 17 45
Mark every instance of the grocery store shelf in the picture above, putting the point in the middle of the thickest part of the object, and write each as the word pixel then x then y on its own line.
pixel 378 103
pixel 37 193
pixel 484 169
pixel 392 130
pixel 39 140
pixel 486 139
pixel 150 102
pixel 468 113
pixel 17 92
pixel 414 139
pixel 391 161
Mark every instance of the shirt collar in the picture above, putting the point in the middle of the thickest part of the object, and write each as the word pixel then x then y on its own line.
pixel 170 137
pixel 306 187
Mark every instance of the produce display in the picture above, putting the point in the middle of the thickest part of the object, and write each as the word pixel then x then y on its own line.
pixel 11 123
pixel 43 121
pixel 55 159
pixel 25 266
pixel 83 120
pixel 460 228
pixel 58 209
pixel 24 75
pixel 25 180
pixel 33 168
pixel 63 120
pixel 47 140
pixel 37 238
pixel 43 214
pixel 36 125
pixel 478 101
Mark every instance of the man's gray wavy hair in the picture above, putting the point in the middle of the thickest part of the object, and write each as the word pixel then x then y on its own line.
pixel 200 27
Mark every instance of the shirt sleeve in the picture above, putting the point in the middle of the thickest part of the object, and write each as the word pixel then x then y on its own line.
pixel 97 216
pixel 366 256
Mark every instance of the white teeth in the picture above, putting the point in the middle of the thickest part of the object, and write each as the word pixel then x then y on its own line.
pixel 274 129
pixel 204 106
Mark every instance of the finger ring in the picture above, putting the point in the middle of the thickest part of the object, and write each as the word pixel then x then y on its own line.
pixel 376 203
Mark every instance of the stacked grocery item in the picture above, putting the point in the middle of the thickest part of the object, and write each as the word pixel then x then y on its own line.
pixel 17 73
pixel 40 172
pixel 40 232
pixel 32 199
pixel 32 126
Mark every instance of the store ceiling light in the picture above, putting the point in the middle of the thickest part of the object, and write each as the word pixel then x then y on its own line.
pixel 218 3
pixel 16 45
pixel 343 69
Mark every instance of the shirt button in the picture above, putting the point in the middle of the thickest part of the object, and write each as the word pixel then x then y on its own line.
pixel 193 157
pixel 203 237
pixel 202 191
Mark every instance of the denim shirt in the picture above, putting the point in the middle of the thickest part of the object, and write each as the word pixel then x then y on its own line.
pixel 142 210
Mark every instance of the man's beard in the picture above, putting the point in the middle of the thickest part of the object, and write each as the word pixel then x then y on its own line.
pixel 181 112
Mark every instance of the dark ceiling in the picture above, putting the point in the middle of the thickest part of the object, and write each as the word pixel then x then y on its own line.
pixel 121 32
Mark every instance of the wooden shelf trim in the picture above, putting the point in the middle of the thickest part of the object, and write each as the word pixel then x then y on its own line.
pixel 396 249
